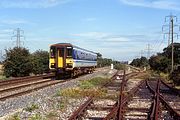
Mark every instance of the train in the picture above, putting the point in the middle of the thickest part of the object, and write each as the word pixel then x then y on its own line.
pixel 68 59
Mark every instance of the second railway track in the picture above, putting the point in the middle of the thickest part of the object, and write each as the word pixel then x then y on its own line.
pixel 23 85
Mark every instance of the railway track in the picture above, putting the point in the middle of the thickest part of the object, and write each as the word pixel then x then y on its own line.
pixel 150 99
pixel 168 100
pixel 97 109
pixel 154 105
pixel 23 79
pixel 23 85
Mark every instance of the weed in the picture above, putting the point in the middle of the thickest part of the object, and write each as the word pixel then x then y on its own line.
pixel 14 117
pixel 61 105
pixel 2 77
pixel 51 115
pixel 32 107
pixel 36 117
pixel 87 84
pixel 86 88
pixel 70 92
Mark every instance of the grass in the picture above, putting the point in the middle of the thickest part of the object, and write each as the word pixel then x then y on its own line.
pixel 32 107
pixel 62 104
pixel 52 115
pixel 36 117
pixel 94 82
pixel 143 76
pixel 14 117
pixel 78 93
pixel 2 77
pixel 90 87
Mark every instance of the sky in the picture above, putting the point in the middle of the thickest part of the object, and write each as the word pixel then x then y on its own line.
pixel 118 29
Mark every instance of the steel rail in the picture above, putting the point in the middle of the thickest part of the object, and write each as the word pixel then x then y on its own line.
pixel 23 85
pixel 23 79
pixel 28 91
pixel 76 114
pixel 121 96
pixel 155 109
pixel 114 112
pixel 173 112
pixel 177 91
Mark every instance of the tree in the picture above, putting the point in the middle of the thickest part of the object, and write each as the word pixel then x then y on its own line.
pixel 159 63
pixel 140 62
pixel 17 62
pixel 167 53
pixel 99 55
pixel 40 61
pixel 162 61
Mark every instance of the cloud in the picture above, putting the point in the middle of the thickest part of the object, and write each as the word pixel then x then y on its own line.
pixel 5 34
pixel 4 31
pixel 31 3
pixel 14 21
pixel 160 4
pixel 92 34
pixel 109 37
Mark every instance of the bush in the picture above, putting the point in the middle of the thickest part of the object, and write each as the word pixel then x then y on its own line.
pixel 17 62
pixel 40 62
pixel 119 66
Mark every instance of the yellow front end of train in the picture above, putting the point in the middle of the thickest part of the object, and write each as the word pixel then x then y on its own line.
pixel 60 60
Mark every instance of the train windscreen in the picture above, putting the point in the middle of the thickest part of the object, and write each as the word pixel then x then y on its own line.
pixel 52 52
pixel 69 52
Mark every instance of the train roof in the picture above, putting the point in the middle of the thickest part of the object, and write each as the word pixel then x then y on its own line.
pixel 71 45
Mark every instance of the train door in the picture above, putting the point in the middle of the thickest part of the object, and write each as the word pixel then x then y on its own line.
pixel 61 58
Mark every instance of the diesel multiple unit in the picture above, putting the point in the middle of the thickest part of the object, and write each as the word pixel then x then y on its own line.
pixel 66 58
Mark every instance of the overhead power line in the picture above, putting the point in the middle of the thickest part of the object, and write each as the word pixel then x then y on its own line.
pixel 18 34
pixel 148 51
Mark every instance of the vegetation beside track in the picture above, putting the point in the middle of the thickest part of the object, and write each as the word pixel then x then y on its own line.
pixel 160 64
pixel 20 62
pixel 92 87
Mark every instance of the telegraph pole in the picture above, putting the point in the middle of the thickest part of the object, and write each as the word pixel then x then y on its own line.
pixel 171 34
pixel 172 42
pixel 18 36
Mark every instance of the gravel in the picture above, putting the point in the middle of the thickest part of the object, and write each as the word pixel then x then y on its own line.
pixel 48 105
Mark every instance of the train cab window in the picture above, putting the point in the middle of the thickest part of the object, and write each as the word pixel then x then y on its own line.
pixel 61 52
pixel 52 52
pixel 69 51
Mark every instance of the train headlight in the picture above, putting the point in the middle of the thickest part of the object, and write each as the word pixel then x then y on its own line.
pixel 69 65
pixel 52 65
